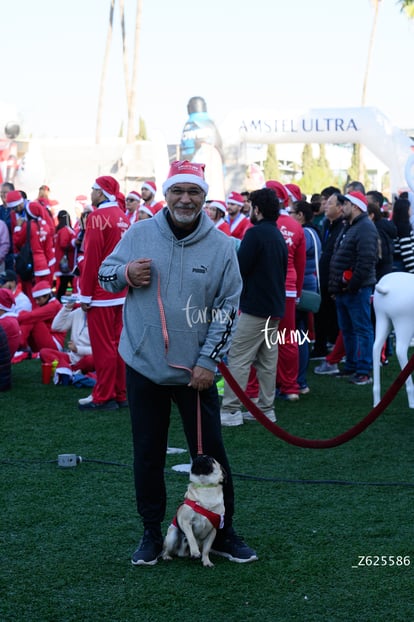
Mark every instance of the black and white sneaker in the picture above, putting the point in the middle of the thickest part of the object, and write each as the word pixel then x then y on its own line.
pixel 149 549
pixel 228 544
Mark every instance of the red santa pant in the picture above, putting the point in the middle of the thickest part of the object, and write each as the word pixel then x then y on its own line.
pixel 288 363
pixel 85 364
pixel 37 335
pixel 105 325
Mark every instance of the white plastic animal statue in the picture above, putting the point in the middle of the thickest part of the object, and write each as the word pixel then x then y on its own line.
pixel 394 307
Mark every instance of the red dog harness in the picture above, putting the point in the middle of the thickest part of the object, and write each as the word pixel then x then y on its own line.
pixel 217 520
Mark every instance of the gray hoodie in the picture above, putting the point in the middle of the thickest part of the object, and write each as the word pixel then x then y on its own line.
pixel 195 284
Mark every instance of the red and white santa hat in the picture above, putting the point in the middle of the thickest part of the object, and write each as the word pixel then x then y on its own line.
pixel 42 288
pixel 35 210
pixel 185 172
pixel 150 185
pixel 218 205
pixel 133 194
pixel 13 198
pixel 358 199
pixel 294 192
pixel 235 197
pixel 7 301
pixel 108 185
pixel 280 190
pixel 81 201
pixel 148 210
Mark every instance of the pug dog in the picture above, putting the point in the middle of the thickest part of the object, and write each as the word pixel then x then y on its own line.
pixel 194 528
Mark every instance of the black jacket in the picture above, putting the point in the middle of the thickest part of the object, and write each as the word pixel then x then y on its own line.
pixel 387 232
pixel 263 263
pixel 330 232
pixel 356 250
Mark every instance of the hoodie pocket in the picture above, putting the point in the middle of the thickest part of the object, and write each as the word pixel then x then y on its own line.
pixel 181 349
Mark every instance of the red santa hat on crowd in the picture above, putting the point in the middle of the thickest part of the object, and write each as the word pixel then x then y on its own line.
pixel 42 288
pixel 108 185
pixel 133 194
pixel 7 301
pixel 36 210
pixel 14 198
pixel 358 199
pixel 280 190
pixel 185 172
pixel 220 205
pixel 150 185
pixel 81 201
pixel 151 211
pixel 235 197
pixel 294 192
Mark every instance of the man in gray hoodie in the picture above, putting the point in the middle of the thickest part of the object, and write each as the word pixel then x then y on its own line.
pixel 184 287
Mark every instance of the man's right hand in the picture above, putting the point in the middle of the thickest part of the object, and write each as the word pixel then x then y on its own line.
pixel 139 272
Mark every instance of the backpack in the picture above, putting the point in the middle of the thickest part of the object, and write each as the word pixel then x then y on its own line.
pixel 24 260
pixel 64 266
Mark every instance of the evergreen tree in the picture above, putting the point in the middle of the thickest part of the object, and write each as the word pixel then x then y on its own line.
pixel 316 173
pixel 271 165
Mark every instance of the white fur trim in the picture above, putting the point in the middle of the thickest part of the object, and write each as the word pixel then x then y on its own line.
pixel 110 197
pixel 41 292
pixel 144 208
pixel 357 202
pixel 148 187
pixel 15 203
pixel 185 179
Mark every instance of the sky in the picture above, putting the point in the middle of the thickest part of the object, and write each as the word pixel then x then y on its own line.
pixel 262 54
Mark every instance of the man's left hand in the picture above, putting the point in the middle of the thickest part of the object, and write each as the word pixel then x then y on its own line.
pixel 201 378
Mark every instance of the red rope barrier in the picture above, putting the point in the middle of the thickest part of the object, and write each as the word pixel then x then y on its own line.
pixel 325 443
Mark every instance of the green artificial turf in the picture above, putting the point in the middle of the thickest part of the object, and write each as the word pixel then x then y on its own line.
pixel 67 534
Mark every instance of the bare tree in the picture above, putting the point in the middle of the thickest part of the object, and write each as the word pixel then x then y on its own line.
pixel 358 147
pixel 104 72
pixel 133 87
pixel 124 50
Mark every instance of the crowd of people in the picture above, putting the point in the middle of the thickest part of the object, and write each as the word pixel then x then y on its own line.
pixel 161 291
pixel 44 284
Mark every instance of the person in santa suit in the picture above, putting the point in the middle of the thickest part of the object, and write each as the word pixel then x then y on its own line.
pixel 292 231
pixel 79 351
pixel 238 222
pixel 36 325
pixel 217 212
pixel 148 191
pixel 41 242
pixel 9 280
pixel 8 320
pixel 104 228
pixel 132 204
pixel 16 203
pixel 64 242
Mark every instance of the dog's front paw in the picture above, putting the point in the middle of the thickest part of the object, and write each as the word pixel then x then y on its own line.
pixel 207 563
pixel 166 557
pixel 195 556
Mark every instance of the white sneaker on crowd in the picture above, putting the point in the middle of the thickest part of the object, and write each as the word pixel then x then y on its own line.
pixel 85 400
pixel 291 397
pixel 270 414
pixel 326 368
pixel 229 419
